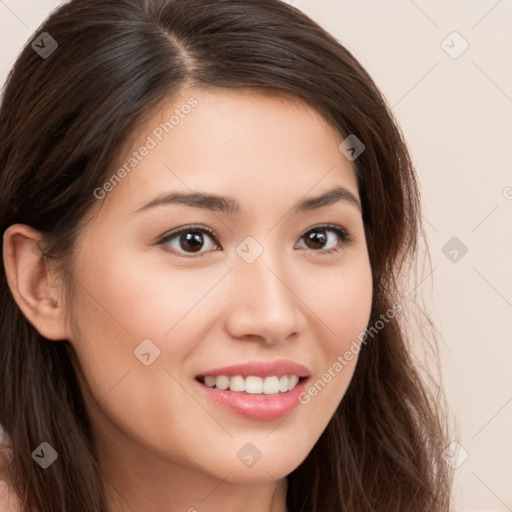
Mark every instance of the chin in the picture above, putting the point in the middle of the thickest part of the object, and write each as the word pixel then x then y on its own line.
pixel 250 465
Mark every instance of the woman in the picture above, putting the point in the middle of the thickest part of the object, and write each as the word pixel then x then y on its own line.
pixel 206 209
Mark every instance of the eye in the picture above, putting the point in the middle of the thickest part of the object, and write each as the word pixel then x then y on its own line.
pixel 191 239
pixel 326 235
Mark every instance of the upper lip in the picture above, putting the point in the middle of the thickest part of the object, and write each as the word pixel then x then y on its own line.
pixel 260 369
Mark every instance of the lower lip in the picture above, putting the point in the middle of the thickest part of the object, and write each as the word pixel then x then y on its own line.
pixel 257 407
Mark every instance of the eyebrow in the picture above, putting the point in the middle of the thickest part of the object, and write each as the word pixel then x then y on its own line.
pixel 230 206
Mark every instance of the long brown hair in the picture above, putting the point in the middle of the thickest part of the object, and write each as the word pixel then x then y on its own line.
pixel 63 119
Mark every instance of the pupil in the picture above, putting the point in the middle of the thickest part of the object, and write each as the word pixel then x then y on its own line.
pixel 194 239
pixel 317 237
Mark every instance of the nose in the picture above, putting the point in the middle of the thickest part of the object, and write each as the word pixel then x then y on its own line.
pixel 263 303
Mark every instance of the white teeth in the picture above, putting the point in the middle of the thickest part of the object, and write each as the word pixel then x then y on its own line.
pixel 222 382
pixel 271 386
pixel 283 384
pixel 253 385
pixel 237 383
pixel 292 382
pixel 210 381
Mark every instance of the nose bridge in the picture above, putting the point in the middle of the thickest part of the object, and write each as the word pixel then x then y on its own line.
pixel 264 303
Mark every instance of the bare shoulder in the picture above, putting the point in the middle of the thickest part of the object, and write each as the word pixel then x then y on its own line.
pixel 8 500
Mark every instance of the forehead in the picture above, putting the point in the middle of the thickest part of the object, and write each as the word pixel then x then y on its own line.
pixel 244 143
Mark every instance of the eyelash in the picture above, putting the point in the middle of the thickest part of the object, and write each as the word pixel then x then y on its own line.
pixel 343 234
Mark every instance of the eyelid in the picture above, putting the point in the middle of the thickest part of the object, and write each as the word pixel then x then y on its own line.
pixel 344 234
pixel 187 227
pixel 183 229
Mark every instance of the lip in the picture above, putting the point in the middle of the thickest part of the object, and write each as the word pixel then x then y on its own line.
pixel 260 369
pixel 257 407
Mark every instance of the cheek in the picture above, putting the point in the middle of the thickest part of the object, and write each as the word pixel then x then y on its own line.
pixel 342 307
pixel 126 294
pixel 342 302
pixel 121 301
pixel 117 307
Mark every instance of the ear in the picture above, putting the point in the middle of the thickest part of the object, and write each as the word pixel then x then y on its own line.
pixel 36 290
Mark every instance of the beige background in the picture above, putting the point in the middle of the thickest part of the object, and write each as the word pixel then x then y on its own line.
pixel 456 114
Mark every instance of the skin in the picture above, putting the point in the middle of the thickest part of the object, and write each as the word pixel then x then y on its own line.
pixel 163 445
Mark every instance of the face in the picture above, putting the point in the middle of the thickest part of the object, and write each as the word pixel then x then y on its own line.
pixel 193 319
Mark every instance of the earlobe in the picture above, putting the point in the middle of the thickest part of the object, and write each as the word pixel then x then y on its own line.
pixel 34 288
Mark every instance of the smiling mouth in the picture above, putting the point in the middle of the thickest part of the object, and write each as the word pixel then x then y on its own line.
pixel 251 384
